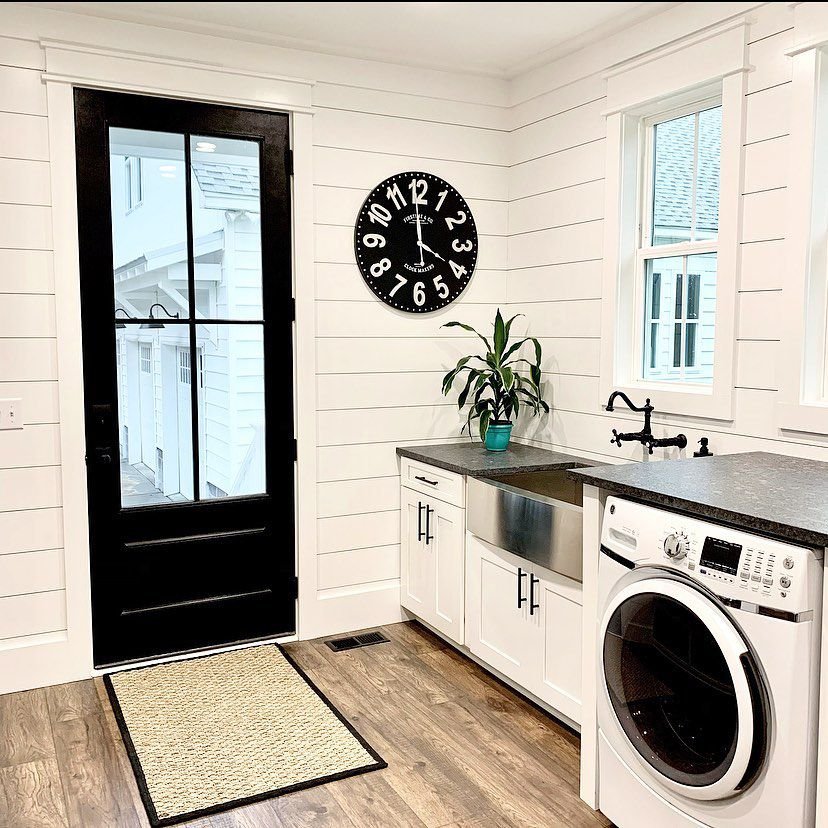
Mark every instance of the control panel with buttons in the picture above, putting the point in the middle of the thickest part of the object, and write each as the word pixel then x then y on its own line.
pixel 735 565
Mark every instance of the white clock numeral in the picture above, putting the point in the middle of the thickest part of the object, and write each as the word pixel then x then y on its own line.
pixel 401 280
pixel 441 287
pixel 378 268
pixel 419 294
pixel 457 247
pixel 373 240
pixel 394 193
pixel 459 270
pixel 379 214
pixel 442 194
pixel 418 187
pixel 461 218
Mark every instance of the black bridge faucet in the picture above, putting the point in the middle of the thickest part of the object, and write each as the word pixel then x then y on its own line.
pixel 645 436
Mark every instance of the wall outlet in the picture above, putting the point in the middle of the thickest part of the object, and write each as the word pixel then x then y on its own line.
pixel 11 414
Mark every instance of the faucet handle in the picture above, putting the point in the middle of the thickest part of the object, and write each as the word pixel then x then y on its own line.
pixel 615 438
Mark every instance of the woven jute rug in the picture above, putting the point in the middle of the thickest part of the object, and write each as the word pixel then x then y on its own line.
pixel 219 731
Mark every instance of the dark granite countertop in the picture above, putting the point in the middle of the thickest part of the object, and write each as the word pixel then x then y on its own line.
pixel 769 493
pixel 472 459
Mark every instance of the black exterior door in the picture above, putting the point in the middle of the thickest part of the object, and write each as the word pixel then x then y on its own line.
pixel 185 263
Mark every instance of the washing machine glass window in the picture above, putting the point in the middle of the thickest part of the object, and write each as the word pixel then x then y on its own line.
pixel 683 688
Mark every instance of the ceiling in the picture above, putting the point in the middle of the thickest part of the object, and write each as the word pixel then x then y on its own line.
pixel 496 39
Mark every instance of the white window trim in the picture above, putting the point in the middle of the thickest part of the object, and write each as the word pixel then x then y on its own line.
pixel 712 67
pixel 803 375
pixel 646 251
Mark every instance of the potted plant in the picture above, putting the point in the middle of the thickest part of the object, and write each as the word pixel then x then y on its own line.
pixel 493 387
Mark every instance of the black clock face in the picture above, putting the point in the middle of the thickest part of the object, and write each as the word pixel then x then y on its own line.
pixel 416 242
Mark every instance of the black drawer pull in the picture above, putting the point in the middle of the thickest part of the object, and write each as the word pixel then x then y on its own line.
pixel 426 480
pixel 532 605
pixel 419 521
pixel 521 597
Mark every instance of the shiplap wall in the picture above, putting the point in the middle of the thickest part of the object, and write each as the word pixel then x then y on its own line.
pixel 377 371
pixel 533 174
pixel 32 599
pixel 555 256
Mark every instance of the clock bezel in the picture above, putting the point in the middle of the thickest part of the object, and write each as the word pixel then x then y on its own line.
pixel 474 236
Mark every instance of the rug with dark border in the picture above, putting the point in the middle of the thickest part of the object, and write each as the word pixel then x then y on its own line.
pixel 215 732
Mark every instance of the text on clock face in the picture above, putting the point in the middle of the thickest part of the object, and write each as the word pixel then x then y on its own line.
pixel 416 242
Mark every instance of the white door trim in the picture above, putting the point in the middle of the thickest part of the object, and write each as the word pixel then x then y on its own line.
pixel 70 65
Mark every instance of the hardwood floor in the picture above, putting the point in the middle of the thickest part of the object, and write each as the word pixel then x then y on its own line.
pixel 463 751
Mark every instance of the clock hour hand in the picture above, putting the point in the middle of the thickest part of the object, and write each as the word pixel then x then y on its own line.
pixel 433 252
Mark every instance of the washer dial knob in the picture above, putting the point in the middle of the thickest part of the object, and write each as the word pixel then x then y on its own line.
pixel 675 546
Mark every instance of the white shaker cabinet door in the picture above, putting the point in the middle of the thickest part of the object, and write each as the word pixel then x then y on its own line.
pixel 432 563
pixel 416 570
pixel 499 627
pixel 558 681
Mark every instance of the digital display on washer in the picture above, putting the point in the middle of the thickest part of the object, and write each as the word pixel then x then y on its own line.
pixel 721 555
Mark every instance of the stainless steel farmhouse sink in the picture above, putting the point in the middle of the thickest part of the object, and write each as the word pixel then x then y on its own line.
pixel 535 515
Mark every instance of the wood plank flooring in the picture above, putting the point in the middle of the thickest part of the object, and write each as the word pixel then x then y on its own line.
pixel 463 751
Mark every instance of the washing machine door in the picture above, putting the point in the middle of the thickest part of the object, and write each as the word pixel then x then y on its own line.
pixel 686 692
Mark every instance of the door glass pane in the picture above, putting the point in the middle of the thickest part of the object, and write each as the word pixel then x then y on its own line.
pixel 154 415
pixel 149 223
pixel 226 228
pixel 231 409
pixel 671 689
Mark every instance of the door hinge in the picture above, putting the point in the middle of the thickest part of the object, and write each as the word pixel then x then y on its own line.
pixel 289 162
pixel 295 449
pixel 293 586
pixel 292 309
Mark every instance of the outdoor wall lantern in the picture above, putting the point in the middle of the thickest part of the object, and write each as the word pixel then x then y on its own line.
pixel 157 323
pixel 118 324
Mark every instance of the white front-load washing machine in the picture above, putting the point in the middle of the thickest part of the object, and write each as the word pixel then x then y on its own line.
pixel 708 674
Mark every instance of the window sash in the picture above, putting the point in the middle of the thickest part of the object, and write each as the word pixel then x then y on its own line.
pixel 647 155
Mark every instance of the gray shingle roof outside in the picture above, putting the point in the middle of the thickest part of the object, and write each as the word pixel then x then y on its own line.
pixel 673 173
pixel 227 179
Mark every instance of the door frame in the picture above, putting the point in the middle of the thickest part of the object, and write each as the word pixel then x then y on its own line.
pixel 70 657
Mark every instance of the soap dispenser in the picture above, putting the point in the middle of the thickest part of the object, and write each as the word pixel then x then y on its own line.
pixel 704 451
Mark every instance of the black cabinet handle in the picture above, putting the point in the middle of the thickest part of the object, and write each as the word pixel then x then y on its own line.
pixel 428 536
pixel 521 597
pixel 426 480
pixel 532 605
pixel 419 521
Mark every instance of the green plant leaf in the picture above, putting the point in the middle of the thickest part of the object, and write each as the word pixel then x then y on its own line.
pixel 471 330
pixel 499 336
pixel 484 424
pixel 509 325
pixel 461 400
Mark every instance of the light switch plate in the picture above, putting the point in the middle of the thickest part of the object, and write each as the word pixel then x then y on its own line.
pixel 11 414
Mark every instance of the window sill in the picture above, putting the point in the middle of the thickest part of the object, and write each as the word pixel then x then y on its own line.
pixel 811 418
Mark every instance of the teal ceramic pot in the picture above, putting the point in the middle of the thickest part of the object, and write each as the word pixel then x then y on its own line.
pixel 497 436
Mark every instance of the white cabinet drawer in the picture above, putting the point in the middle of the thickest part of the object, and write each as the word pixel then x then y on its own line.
pixel 432 481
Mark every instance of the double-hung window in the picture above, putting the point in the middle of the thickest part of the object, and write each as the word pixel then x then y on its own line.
pixel 677 252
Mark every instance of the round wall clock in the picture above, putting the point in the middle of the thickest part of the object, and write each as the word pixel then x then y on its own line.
pixel 416 242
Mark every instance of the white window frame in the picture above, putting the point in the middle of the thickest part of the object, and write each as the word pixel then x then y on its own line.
pixel 803 373
pixel 710 67
pixel 133 175
pixel 647 252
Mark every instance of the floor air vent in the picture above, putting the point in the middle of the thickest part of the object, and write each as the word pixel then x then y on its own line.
pixel 351 642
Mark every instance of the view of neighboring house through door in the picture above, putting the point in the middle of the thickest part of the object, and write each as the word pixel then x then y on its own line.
pixel 178 351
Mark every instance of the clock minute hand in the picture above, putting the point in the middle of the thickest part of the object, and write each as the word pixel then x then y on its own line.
pixel 419 230
pixel 433 252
